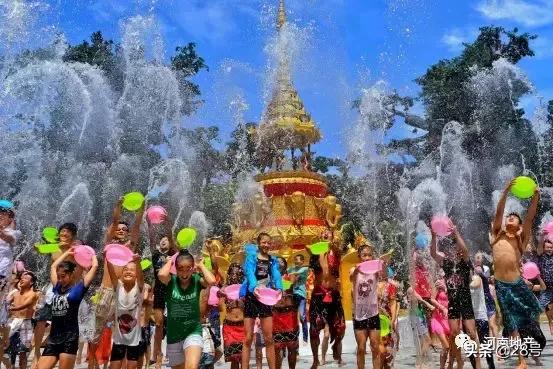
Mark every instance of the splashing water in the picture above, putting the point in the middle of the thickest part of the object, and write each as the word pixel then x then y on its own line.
pixel 199 222
pixel 76 138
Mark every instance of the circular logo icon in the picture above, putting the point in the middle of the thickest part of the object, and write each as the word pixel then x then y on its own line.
pixel 461 339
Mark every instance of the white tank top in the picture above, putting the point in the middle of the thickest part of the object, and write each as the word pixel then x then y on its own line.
pixel 126 328
pixel 479 303
pixel 365 296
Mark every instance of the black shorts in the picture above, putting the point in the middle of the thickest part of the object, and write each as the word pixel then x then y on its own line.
pixel 119 352
pixel 145 339
pixel 370 324
pixel 255 309
pixel 69 346
pixel 460 307
pixel 159 296
pixel 44 314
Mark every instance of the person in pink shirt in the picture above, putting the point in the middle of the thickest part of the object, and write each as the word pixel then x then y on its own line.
pixel 439 324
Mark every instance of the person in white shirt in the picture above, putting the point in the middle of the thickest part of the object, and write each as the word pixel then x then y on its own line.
pixel 8 238
pixel 480 316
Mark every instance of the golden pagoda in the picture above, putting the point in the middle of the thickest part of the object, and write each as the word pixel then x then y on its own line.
pixel 293 204
pixel 294 207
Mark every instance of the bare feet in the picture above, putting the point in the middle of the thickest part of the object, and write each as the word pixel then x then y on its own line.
pixel 522 365
pixel 315 364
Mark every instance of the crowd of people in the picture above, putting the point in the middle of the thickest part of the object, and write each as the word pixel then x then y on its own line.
pixel 125 320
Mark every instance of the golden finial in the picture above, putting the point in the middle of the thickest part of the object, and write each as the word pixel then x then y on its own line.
pixel 281 15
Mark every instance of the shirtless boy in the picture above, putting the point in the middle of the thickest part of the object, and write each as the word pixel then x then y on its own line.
pixel 518 304
pixel 21 311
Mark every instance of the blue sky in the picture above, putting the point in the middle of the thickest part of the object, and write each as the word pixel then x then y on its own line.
pixel 350 44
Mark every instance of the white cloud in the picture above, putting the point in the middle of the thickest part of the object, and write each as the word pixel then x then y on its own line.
pixel 526 12
pixel 211 21
pixel 107 10
pixel 455 38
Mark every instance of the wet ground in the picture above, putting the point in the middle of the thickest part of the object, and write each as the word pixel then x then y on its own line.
pixel 405 357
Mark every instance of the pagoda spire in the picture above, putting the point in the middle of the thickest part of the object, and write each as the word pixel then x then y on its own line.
pixel 285 123
pixel 281 17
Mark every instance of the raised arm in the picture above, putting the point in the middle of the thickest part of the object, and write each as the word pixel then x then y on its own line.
pixel 139 273
pixel 164 273
pixel 436 255
pixel 208 277
pixel 115 217
pixel 213 258
pixel 169 234
pixel 135 229
pixel 498 221
pixel 461 246
pixel 529 220
pixel 541 243
pixel 57 262
pixel 111 272
pixel 89 276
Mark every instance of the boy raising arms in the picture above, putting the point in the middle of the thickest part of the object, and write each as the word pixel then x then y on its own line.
pixel 519 306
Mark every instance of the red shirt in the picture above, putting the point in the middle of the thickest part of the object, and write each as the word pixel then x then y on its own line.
pixel 422 285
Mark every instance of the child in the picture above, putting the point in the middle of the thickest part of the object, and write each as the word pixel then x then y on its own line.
pixel 326 312
pixel 455 262
pixel 260 269
pixel 481 316
pixel 184 328
pixel 63 341
pixel 127 331
pixel 8 239
pixel 366 321
pixel 146 334
pixel 419 326
pixel 545 263
pixel 438 322
pixel 161 252
pixel 118 232
pixel 286 325
pixel 233 326
pixel 483 271
pixel 388 306
pixel 519 306
pixel 259 344
pixel 22 310
pixel 298 274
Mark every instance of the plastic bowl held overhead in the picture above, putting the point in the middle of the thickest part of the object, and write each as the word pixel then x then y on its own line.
pixel 530 270
pixel 441 225
pixel 83 255
pixel 319 247
pixel 132 201
pixel 524 187
pixel 118 255
pixel 186 237
pixel 156 214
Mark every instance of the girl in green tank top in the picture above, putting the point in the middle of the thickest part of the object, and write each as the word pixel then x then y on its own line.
pixel 183 308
